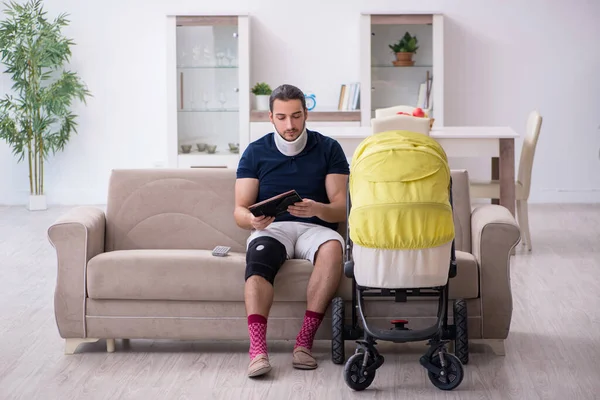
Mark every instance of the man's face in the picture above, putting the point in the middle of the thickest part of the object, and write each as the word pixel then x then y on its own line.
pixel 289 118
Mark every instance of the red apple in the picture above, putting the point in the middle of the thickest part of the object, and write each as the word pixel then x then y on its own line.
pixel 418 112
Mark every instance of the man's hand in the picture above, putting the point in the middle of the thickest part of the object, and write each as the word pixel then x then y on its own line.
pixel 335 211
pixel 260 223
pixel 305 209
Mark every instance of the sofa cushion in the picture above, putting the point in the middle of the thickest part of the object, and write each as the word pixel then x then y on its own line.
pixel 172 209
pixel 461 200
pixel 466 282
pixel 196 275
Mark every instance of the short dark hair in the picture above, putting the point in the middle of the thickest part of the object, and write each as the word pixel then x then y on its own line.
pixel 287 92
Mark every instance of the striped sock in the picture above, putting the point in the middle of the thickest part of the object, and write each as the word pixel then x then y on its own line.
pixel 257 329
pixel 311 323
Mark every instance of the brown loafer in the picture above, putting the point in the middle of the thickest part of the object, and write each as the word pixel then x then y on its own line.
pixel 302 358
pixel 259 366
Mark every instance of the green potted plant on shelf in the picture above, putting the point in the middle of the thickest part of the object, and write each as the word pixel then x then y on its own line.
pixel 262 91
pixel 36 118
pixel 404 50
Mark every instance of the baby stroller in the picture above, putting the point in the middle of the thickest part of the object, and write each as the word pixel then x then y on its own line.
pixel 400 244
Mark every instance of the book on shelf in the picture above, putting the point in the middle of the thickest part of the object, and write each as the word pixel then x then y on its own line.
pixel 349 97
pixel 424 99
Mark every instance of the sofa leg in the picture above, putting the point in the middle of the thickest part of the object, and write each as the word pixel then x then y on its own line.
pixel 71 344
pixel 497 346
pixel 110 345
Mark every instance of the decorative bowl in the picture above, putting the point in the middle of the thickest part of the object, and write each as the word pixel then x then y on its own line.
pixel 234 147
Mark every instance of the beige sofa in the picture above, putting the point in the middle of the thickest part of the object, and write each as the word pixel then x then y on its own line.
pixel 144 269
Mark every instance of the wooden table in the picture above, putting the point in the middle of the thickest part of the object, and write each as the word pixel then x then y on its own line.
pixel 485 142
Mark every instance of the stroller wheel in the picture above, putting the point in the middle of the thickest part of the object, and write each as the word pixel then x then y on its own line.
pixel 355 379
pixel 453 375
pixel 461 341
pixel 337 332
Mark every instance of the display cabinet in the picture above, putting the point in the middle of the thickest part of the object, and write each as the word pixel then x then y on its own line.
pixel 415 79
pixel 209 90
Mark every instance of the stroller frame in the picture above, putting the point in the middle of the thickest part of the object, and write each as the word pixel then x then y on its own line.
pixel 445 370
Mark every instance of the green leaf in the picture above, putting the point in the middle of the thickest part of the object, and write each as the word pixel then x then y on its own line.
pixel 261 88
pixel 408 43
pixel 36 118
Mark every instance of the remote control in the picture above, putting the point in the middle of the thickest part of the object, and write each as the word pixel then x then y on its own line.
pixel 221 251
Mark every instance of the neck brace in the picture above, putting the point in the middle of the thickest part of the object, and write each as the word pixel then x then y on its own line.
pixel 291 148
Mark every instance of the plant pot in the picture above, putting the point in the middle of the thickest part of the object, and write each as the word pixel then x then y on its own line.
pixel 262 102
pixel 37 202
pixel 404 59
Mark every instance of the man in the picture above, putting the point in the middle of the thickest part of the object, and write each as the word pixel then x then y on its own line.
pixel 316 167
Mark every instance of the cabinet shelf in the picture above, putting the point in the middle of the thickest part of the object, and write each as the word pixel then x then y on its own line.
pixel 206 67
pixel 401 67
pixel 203 160
pixel 215 110
pixel 351 115
pixel 196 153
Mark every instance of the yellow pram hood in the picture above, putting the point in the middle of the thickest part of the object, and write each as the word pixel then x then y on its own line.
pixel 399 189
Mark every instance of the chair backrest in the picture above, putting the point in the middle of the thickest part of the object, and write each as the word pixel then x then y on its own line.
pixel 388 111
pixel 534 125
pixel 400 123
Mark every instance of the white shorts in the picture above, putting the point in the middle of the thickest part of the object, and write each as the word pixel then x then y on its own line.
pixel 301 239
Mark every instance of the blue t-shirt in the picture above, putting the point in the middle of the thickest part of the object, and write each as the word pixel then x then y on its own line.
pixel 305 172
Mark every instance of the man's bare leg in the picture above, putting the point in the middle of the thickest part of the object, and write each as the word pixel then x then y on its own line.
pixel 258 296
pixel 322 286
pixel 325 277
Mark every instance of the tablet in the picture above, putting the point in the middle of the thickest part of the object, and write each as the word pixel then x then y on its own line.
pixel 275 205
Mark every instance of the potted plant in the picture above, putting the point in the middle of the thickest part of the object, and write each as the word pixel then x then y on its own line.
pixel 404 50
pixel 35 119
pixel 262 91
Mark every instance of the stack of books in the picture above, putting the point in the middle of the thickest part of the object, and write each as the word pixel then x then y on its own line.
pixel 349 97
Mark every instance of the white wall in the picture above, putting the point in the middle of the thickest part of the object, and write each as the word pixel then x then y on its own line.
pixel 500 62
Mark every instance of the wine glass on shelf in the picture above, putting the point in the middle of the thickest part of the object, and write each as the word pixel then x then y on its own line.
pixel 222 100
pixel 231 58
pixel 220 58
pixel 208 60
pixel 206 100
pixel 197 56
pixel 192 98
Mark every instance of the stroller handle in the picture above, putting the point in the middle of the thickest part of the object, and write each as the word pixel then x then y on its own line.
pixel 348 244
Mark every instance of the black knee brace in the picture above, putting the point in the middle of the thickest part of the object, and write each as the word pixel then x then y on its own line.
pixel 264 257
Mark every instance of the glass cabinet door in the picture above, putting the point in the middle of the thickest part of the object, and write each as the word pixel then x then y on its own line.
pixel 208 87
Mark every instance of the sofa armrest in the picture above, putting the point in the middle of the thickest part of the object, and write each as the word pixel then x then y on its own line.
pixel 494 233
pixel 77 236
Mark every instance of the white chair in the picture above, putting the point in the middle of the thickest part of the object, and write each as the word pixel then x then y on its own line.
pixel 389 111
pixel 400 123
pixel 491 189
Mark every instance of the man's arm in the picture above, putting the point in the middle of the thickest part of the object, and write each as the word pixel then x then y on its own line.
pixel 246 192
pixel 335 211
